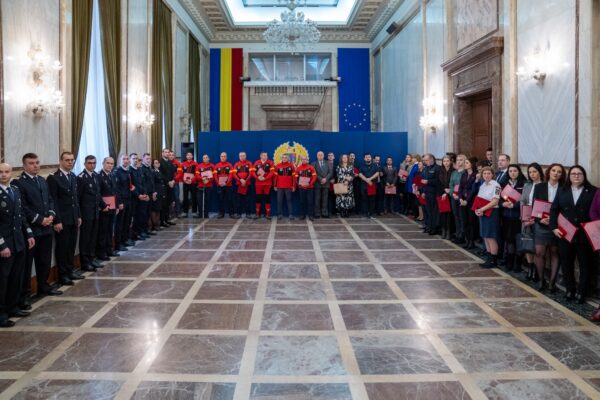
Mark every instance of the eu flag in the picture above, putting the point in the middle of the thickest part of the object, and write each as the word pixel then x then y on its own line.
pixel 354 90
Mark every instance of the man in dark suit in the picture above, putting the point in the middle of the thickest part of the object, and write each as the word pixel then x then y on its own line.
pixel 324 175
pixel 15 237
pixel 167 170
pixel 332 165
pixel 63 188
pixel 148 179
pixel 108 191
pixel 141 200
pixel 502 174
pixel 430 190
pixel 123 219
pixel 38 207
pixel 90 203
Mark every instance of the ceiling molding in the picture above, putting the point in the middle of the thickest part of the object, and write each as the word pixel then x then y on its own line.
pixel 239 36
pixel 201 20
pixel 384 14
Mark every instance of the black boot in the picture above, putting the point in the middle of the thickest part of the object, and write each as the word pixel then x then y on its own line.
pixel 518 261
pixel 530 271
pixel 542 285
pixel 536 276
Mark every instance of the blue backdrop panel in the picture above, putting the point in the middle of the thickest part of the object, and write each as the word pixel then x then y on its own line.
pixel 394 144
pixel 354 96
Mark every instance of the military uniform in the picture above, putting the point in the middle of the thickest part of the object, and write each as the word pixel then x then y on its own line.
pixel 148 183
pixel 13 233
pixel 90 201
pixel 139 207
pixel 168 171
pixel 108 188
pixel 123 188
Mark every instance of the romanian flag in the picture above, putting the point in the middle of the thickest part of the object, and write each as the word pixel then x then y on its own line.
pixel 226 68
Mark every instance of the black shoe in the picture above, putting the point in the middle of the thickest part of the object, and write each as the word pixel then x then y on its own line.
pixel 103 258
pixel 541 286
pixel 311 218
pixel 51 292
pixel 164 225
pixel 19 314
pixel 76 273
pixel 151 233
pixel 121 248
pixel 291 218
pixel 130 243
pixel 96 264
pixel 552 288
pixel 7 323
pixel 66 281
pixel 76 277
pixel 25 306
pixel 569 295
pixel 171 223
pixel 580 298
pixel 114 254
pixel 140 238
pixel 220 216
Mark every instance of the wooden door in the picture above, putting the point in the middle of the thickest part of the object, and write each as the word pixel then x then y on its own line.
pixel 482 126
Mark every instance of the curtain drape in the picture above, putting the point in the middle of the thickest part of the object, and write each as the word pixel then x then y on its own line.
pixel 162 78
pixel 110 28
pixel 82 33
pixel 194 88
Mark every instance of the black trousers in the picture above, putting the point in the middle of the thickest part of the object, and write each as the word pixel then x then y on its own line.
pixel 331 201
pixel 165 211
pixel 41 253
pixel 189 197
pixel 203 200
pixel 307 204
pixel 65 249
pixel 104 244
pixel 244 205
pixel 583 252
pixel 470 223
pixel 225 205
pixel 432 215
pixel 388 201
pixel 123 225
pixel 368 202
pixel 142 214
pixel 281 193
pixel 11 274
pixel 87 239
pixel 322 200
pixel 379 206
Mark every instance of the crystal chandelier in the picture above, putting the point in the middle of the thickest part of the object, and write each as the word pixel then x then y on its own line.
pixel 293 32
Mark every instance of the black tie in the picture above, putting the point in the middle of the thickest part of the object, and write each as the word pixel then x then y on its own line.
pixel 37 181
pixel 10 193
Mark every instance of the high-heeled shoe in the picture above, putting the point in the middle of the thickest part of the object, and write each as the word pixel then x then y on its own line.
pixel 552 287
pixel 541 287
pixel 580 298
pixel 530 271
pixel 569 295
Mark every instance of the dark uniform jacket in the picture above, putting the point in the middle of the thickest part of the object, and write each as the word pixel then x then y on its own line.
pixel 576 213
pixel 148 179
pixel 138 187
pixel 13 225
pixel 37 203
pixel 90 199
pixel 108 187
pixel 167 170
pixel 122 186
pixel 64 194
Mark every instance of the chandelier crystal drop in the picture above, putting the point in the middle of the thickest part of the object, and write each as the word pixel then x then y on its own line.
pixel 293 32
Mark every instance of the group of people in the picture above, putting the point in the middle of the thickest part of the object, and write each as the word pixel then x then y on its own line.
pixel 108 210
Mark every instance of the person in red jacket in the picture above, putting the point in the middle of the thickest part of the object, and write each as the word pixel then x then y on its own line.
pixel 242 171
pixel 285 184
pixel 223 180
pixel 188 177
pixel 175 188
pixel 204 179
pixel 306 176
pixel 263 172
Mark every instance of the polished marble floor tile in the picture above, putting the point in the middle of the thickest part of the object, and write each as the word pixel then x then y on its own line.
pixel 141 255
pixel 136 315
pixel 205 235
pixel 69 389
pixel 298 355
pixel 577 350
pixel 90 287
pixel 237 256
pixel 455 315
pixel 178 270
pixel 534 389
pixel 353 271
pixel 155 244
pixel 62 313
pixel 531 313
pixel 384 244
pixel 104 352
pixel 296 317
pixel 393 256
pixel 363 290
pixel 495 288
pixel 446 255
pixel 191 256
pixel 200 354
pixel 417 391
pixel 376 317
pixel 493 352
pixel 334 235
pixel 345 256
pixel 294 271
pixel 227 290
pixel 235 271
pixel 430 244
pixel 467 270
pixel 20 351
pixel 270 391
pixel 295 290
pixel 292 245
pixel 184 391
pixel 408 271
pixel 122 269
pixel 397 354
pixel 160 289
pixel 338 245
pixel 5 383
pixel 196 244
pixel 293 256
pixel 429 290
pixel 250 244
pixel 216 316
pixel 294 235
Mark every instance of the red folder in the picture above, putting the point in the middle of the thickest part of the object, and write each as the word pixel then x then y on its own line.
pixel 566 228
pixel 304 181
pixel 110 201
pixel 403 174
pixel 223 180
pixel 541 208
pixel 443 204
pixel 422 200
pixel 480 202
pixel 592 231
pixel 390 190
pixel 526 212
pixel 456 189
pixel 188 177
pixel 371 190
pixel 242 189
pixel 418 181
pixel 510 194
pixel 206 174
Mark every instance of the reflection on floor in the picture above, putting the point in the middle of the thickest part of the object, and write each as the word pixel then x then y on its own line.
pixel 329 310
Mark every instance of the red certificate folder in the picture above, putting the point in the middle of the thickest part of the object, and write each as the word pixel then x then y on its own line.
pixel 510 194
pixel 371 190
pixel 480 202
pixel 541 208
pixel 566 228
pixel 188 177
pixel 403 174
pixel 303 181
pixel 110 201
pixel 443 204
pixel 223 180
pixel 206 174
pixel 456 189
pixel 390 190
pixel 592 231
pixel 422 200
pixel 242 189
pixel 418 181
pixel 526 212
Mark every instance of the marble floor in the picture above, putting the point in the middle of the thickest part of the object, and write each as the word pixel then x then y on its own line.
pixel 326 310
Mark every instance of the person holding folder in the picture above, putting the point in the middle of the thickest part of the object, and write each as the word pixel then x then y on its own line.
pixel 595 216
pixel 485 206
pixel 454 184
pixel 444 191
pixel 466 195
pixel 411 198
pixel 390 180
pixel 573 201
pixel 543 236
pixel 511 215
pixel 535 175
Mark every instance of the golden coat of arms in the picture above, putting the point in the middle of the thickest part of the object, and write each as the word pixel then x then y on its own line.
pixel 293 151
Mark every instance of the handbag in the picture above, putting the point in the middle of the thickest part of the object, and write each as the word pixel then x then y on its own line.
pixel 525 242
pixel 340 188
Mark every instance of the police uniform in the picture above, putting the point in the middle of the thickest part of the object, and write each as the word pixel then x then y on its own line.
pixel 168 171
pixel 148 183
pixel 108 188
pixel 37 204
pixel 123 187
pixel 90 202
pixel 489 227
pixel 139 207
pixel 13 233
pixel 63 190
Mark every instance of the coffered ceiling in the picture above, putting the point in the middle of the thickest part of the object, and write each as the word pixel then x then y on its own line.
pixel 362 20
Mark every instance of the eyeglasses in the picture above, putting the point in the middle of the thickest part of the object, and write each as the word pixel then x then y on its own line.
pixel 576 174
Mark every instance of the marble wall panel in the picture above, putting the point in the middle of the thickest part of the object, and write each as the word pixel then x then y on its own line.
pixel 475 19
pixel 402 76
pixel 180 102
pixel 546 112
pixel 26 23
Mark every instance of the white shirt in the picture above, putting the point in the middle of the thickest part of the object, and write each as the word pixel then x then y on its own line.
pixel 530 200
pixel 489 190
pixel 552 192
pixel 5 188
pixel 576 193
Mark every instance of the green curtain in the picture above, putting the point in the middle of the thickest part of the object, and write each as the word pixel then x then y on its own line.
pixel 82 34
pixel 110 30
pixel 162 78
pixel 194 85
